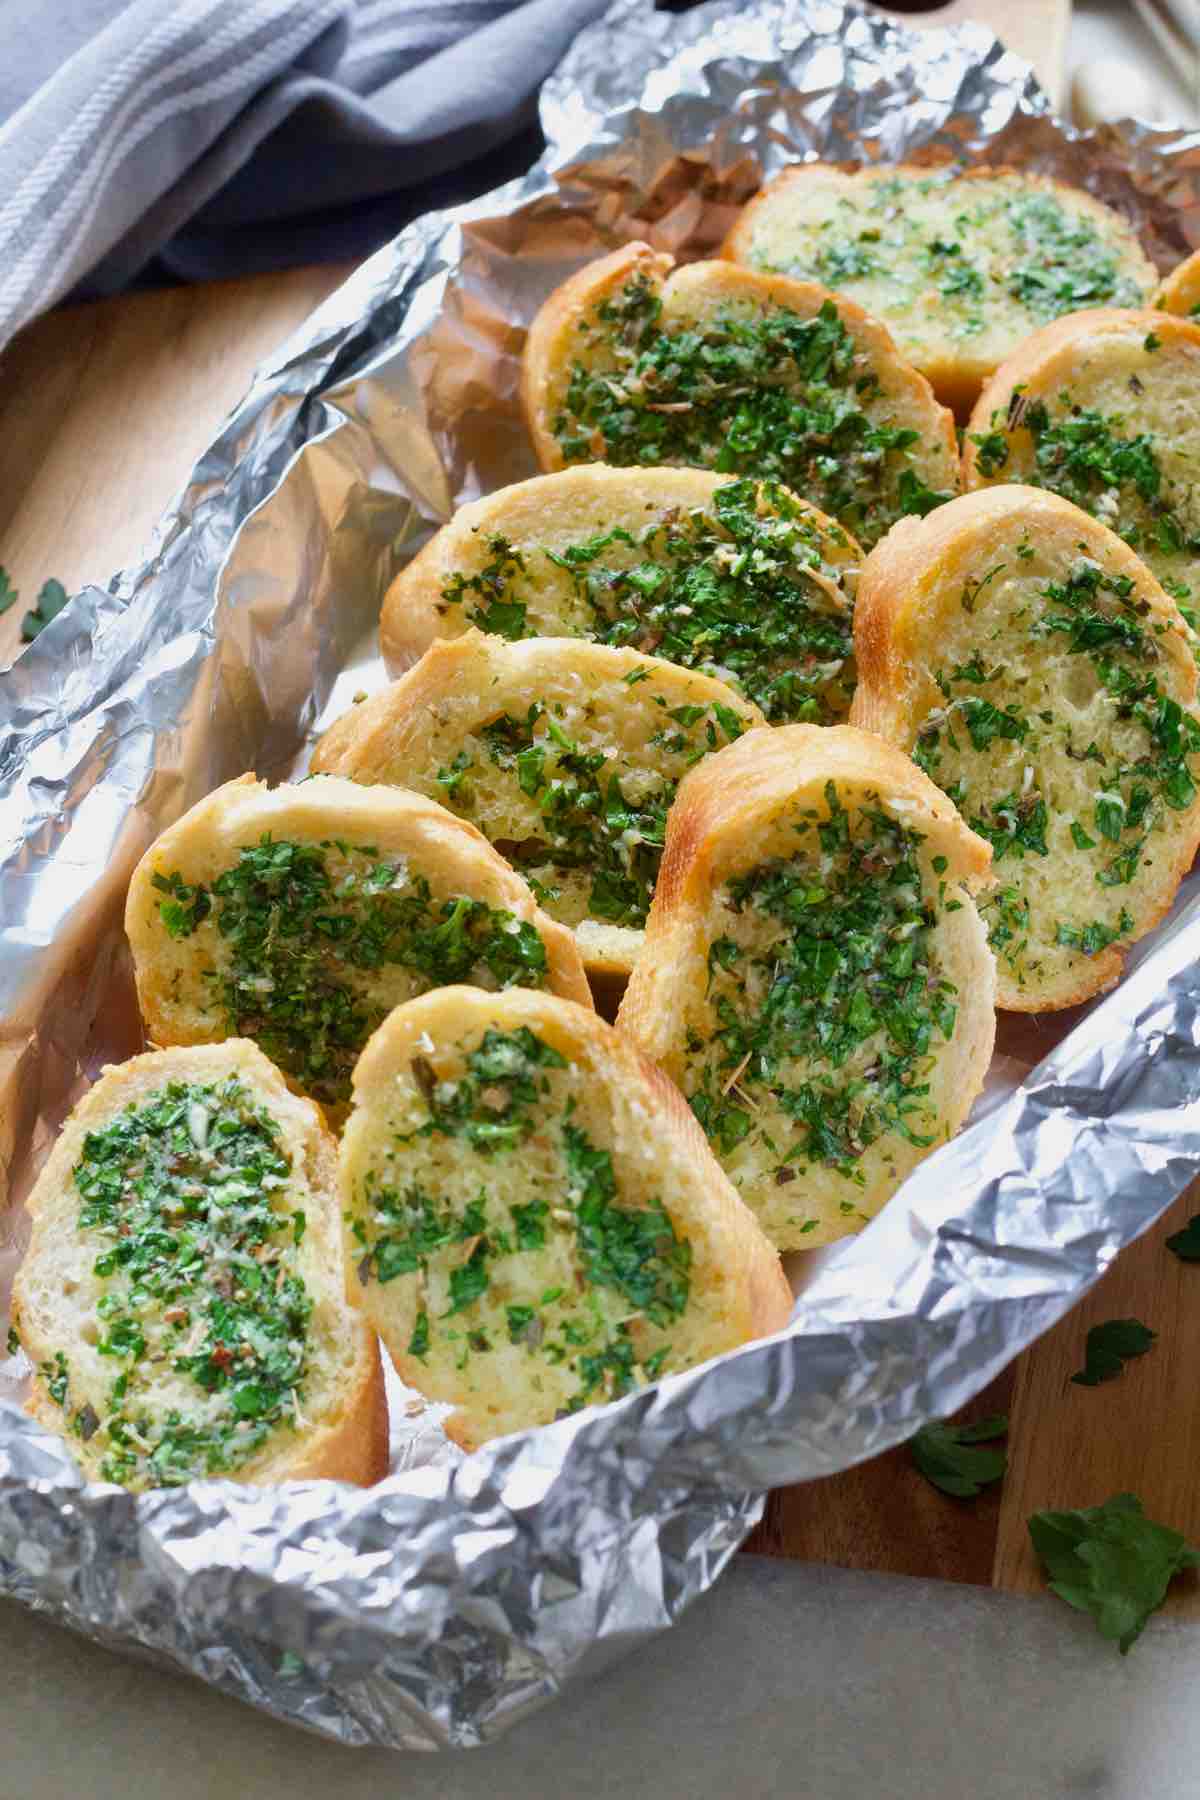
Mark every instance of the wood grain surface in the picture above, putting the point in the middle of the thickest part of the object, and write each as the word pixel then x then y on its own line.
pixel 103 410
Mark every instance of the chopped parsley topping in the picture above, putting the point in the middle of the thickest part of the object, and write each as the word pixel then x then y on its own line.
pixel 739 591
pixel 183 1197
pixel 827 998
pixel 1099 464
pixel 1063 264
pixel 938 255
pixel 986 752
pixel 632 1255
pixel 304 927
pixel 770 394
pixel 585 826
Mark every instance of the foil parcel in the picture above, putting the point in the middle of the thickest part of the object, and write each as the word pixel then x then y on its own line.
pixel 460 1593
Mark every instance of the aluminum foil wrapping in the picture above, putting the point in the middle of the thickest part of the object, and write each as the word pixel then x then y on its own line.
pixel 443 1604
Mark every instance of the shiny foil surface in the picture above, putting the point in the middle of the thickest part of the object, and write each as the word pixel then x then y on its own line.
pixel 445 1603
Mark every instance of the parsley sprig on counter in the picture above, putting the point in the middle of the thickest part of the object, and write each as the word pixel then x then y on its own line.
pixel 952 1457
pixel 181 1196
pixel 1112 1562
pixel 770 394
pixel 304 926
pixel 1109 1347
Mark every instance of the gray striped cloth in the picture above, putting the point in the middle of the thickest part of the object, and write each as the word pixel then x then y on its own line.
pixel 199 138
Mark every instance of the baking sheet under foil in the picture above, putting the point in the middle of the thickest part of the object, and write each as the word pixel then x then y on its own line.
pixel 445 1603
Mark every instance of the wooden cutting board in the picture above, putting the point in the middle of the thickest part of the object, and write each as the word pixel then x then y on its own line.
pixel 104 409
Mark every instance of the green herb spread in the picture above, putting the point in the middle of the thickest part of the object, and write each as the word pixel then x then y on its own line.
pixel 629 1266
pixel 769 394
pixel 739 591
pixel 827 997
pixel 184 1198
pixel 305 928
pixel 944 253
pixel 1108 468
pixel 584 822
pixel 989 751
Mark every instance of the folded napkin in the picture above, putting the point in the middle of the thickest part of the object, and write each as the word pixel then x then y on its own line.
pixel 205 138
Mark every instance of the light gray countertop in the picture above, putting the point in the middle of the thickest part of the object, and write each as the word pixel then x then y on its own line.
pixel 788 1679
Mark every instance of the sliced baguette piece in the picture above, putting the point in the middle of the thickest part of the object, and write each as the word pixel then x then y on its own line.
pixel 534 1222
pixel 565 754
pixel 300 916
pixel 634 361
pixel 960 265
pixel 1179 292
pixel 738 579
pixel 1032 664
pixel 189 1214
pixel 1104 409
pixel 816 977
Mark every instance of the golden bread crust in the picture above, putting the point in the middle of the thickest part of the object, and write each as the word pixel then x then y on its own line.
pixel 413 730
pixel 923 327
pixel 727 810
pixel 1179 292
pixel 911 590
pixel 659 1156
pixel 172 993
pixel 347 1439
pixel 567 507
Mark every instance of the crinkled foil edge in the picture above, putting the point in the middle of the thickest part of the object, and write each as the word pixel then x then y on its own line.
pixel 450 1600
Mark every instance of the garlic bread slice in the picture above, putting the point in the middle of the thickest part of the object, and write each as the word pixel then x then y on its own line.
pixel 182 1297
pixel 816 977
pixel 1179 292
pixel 1034 668
pixel 959 264
pixel 565 754
pixel 634 361
pixel 737 579
pixel 299 916
pixel 1104 409
pixel 533 1220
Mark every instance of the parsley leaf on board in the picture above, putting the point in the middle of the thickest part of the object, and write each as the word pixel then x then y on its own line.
pixel 50 602
pixel 1109 1347
pixel 1185 1244
pixel 8 593
pixel 1111 1561
pixel 946 1454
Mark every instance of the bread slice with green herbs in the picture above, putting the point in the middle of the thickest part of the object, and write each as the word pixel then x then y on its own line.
pixel 1104 409
pixel 182 1298
pixel 959 264
pixel 565 754
pixel 738 579
pixel 1034 668
pixel 300 916
pixel 533 1220
pixel 1179 292
pixel 634 361
pixel 816 978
